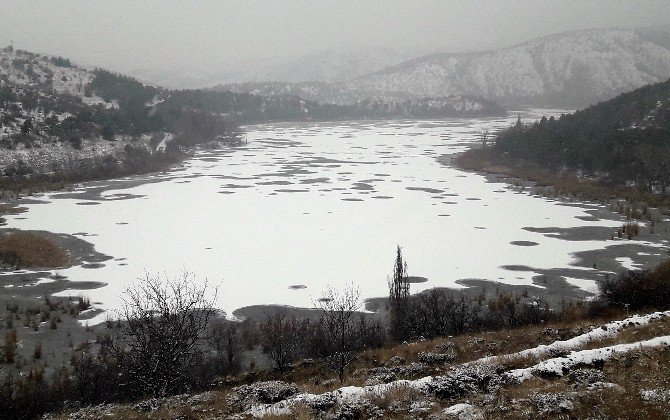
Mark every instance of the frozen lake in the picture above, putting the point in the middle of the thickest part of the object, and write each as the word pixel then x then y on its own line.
pixel 306 206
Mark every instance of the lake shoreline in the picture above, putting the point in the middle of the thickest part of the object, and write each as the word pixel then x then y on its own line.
pixel 551 284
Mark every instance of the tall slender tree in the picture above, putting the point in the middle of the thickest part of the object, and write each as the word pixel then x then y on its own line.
pixel 399 299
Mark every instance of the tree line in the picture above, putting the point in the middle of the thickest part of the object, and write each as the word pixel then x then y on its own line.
pixel 620 141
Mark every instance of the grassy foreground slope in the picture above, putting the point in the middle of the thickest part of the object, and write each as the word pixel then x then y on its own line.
pixel 606 369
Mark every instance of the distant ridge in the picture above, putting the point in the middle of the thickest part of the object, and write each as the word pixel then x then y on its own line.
pixel 571 69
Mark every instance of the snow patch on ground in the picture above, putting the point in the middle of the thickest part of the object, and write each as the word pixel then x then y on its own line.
pixel 558 366
pixel 608 330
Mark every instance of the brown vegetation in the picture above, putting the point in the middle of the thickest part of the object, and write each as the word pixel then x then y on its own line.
pixel 30 250
pixel 483 160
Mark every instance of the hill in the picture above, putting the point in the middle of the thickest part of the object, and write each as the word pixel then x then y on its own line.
pixel 621 142
pixel 577 369
pixel 329 66
pixel 573 69
pixel 62 122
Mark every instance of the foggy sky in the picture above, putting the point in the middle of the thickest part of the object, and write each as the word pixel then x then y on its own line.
pixel 226 35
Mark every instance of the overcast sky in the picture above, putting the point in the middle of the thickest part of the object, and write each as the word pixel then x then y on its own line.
pixel 137 34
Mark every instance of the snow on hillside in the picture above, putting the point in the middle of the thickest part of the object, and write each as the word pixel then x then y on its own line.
pixel 575 68
pixel 22 68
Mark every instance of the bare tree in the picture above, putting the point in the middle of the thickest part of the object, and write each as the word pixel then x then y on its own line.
pixel 164 324
pixel 225 338
pixel 280 338
pixel 484 137
pixel 399 299
pixel 339 335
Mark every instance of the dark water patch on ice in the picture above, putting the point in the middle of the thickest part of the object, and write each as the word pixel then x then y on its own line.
pixel 382 197
pixel 121 223
pixel 480 227
pixel 351 199
pixel 449 202
pixel 588 218
pixel 280 144
pixel 274 183
pixel 473 199
pixel 88 203
pixel 428 190
pixel 226 192
pixel 236 186
pixel 291 190
pixel 517 268
pixel 123 196
pixel 329 161
pixel 234 177
pixel 322 180
pixel 381 174
pixel 580 233
pixel 362 186
pixel 93 265
pixel 297 286
pixel 444 215
pixel 524 243
pixel 288 173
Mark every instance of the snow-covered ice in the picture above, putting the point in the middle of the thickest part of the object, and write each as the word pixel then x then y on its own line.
pixel 317 204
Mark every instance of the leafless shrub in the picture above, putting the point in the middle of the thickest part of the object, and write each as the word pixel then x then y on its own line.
pixel 164 325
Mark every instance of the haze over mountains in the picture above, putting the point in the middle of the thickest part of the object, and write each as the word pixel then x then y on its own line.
pixel 572 69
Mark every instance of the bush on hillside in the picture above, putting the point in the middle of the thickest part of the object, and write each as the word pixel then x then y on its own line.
pixel 639 289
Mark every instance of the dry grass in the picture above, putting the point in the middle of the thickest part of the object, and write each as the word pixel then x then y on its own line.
pixel 632 372
pixel 30 250
pixel 7 209
pixel 470 347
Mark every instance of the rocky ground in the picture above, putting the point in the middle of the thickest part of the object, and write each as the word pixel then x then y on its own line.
pixel 600 369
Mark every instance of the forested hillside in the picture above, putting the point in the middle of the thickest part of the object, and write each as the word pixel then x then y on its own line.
pixel 61 122
pixel 622 141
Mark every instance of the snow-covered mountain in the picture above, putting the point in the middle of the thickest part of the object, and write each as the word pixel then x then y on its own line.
pixel 334 65
pixel 569 69
pixel 329 66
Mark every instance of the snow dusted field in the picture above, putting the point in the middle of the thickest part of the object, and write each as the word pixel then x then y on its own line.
pixel 305 206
